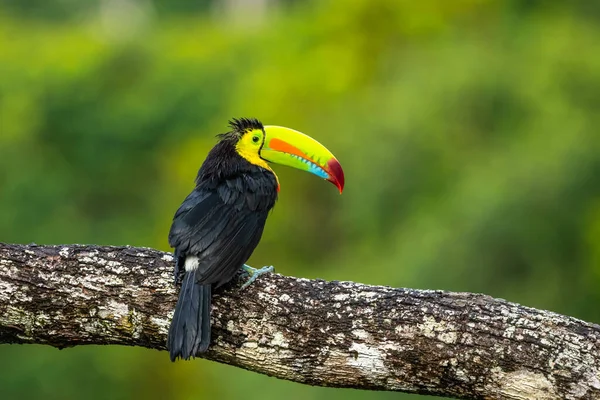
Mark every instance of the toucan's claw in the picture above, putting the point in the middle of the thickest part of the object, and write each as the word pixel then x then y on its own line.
pixel 254 273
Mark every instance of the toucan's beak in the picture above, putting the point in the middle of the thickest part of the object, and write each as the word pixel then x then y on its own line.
pixel 289 147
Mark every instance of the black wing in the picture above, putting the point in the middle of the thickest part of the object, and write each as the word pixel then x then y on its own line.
pixel 222 226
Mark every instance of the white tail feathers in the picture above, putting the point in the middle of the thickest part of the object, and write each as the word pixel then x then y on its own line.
pixel 191 263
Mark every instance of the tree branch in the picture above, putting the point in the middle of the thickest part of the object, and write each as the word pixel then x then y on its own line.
pixel 340 334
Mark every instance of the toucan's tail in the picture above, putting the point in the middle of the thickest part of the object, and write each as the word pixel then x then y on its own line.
pixel 189 333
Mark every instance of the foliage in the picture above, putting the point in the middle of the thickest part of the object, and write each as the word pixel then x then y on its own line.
pixel 467 131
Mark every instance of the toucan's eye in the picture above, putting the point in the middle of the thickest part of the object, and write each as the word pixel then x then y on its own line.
pixel 255 139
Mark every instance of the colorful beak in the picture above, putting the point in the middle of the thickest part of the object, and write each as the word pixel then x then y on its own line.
pixel 295 149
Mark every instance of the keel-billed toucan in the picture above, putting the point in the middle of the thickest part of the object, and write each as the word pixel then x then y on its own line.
pixel 218 225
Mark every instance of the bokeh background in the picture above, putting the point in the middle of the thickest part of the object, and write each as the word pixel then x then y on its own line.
pixel 468 131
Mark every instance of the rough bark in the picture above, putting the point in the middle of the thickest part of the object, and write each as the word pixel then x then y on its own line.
pixel 340 334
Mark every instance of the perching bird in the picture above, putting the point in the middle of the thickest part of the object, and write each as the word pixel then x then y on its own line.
pixel 219 224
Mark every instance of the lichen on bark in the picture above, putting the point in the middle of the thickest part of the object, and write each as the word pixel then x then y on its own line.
pixel 340 334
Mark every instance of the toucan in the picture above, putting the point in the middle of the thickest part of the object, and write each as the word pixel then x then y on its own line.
pixel 219 224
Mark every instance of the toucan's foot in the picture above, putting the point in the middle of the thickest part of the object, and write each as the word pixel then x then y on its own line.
pixel 254 273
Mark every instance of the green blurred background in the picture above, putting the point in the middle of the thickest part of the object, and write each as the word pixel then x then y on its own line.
pixel 468 131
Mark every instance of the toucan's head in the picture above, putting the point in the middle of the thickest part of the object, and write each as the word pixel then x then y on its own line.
pixel 259 144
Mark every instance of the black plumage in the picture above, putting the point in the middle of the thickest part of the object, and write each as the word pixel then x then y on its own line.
pixel 220 222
